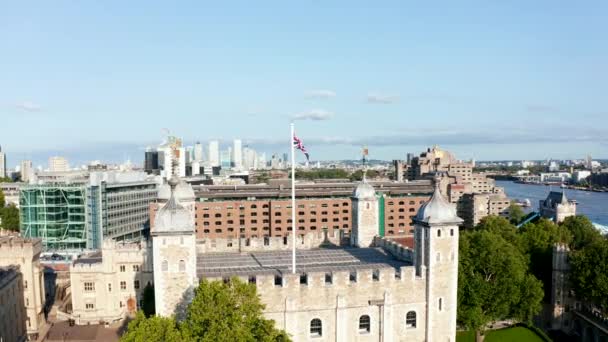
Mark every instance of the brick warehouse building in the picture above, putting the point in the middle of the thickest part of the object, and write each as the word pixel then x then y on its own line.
pixel 254 211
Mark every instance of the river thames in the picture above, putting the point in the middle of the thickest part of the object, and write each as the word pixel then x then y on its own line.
pixel 592 204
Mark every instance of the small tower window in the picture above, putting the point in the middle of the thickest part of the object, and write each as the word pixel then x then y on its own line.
pixel 165 266
pixel 182 266
pixel 438 232
pixel 440 304
pixel 438 257
pixel 410 319
pixel 364 324
pixel 316 328
pixel 452 232
pixel 367 206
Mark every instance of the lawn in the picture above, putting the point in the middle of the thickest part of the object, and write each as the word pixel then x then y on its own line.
pixel 519 334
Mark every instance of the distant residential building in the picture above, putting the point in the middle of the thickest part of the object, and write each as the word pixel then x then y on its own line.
pixel 25 254
pixel 555 177
pixel 599 178
pixel 12 307
pixel 580 175
pixel 26 170
pixel 108 285
pixel 2 163
pixel 237 154
pixel 198 152
pixel 214 153
pixel 79 213
pixel 226 159
pixel 399 168
pixel 58 164
pixel 557 207
pixel 475 195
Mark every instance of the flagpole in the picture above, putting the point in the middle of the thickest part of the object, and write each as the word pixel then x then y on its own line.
pixel 293 200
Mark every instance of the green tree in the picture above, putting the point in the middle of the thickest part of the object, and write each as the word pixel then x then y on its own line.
pixel 582 230
pixel 2 200
pixel 229 311
pixel 219 312
pixel 500 226
pixel 516 213
pixel 149 307
pixel 153 329
pixel 589 273
pixel 494 282
pixel 10 217
pixel 537 240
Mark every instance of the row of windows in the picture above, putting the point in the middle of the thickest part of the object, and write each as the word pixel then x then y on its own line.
pixel 90 286
pixel 316 325
pixel 403 202
pixel 278 206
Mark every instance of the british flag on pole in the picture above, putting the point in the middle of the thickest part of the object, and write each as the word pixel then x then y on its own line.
pixel 297 142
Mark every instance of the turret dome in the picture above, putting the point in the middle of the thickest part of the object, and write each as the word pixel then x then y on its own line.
pixel 364 190
pixel 438 210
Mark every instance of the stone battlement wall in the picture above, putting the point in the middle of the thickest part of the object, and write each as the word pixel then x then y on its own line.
pixel 397 250
pixel 306 241
pixel 17 246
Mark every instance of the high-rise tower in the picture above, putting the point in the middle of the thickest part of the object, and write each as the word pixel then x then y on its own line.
pixel 2 163
pixel 436 255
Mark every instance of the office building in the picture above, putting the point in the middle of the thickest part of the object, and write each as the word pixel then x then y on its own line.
pixel 226 158
pixel 2 164
pixel 79 213
pixel 198 152
pixel 58 164
pixel 25 254
pixel 214 153
pixel 26 171
pixel 237 154
pixel 151 164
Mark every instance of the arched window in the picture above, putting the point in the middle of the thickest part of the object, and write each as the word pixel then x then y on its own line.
pixel 165 266
pixel 182 266
pixel 410 319
pixel 316 328
pixel 364 324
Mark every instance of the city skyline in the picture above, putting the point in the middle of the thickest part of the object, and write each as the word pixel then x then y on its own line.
pixel 489 81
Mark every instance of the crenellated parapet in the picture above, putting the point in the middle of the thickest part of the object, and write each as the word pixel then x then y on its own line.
pixel 397 250
pixel 305 241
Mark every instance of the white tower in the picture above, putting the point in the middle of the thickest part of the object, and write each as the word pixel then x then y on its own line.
pixel 365 215
pixel 174 253
pixel 214 153
pixel 436 255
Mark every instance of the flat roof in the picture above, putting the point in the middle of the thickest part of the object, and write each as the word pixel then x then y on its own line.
pixel 309 260
pixel 91 258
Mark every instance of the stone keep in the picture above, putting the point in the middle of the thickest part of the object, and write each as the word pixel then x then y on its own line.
pixel 174 254
pixel 365 215
pixel 436 238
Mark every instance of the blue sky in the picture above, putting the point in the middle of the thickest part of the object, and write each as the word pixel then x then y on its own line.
pixel 485 79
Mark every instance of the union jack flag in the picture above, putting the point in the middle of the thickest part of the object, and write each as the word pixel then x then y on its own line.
pixel 297 143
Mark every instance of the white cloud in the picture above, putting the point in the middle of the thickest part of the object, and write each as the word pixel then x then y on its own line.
pixel 320 94
pixel 28 106
pixel 381 98
pixel 315 114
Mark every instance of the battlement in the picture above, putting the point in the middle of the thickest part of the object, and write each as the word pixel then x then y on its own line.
pixel 397 250
pixel 13 246
pixel 381 277
pixel 305 241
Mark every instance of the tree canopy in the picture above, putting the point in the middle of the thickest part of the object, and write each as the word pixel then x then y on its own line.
pixel 494 281
pixel 582 230
pixel 220 311
pixel 516 213
pixel 9 217
pixel 589 273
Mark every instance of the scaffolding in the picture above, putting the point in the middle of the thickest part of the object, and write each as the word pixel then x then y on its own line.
pixel 56 213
